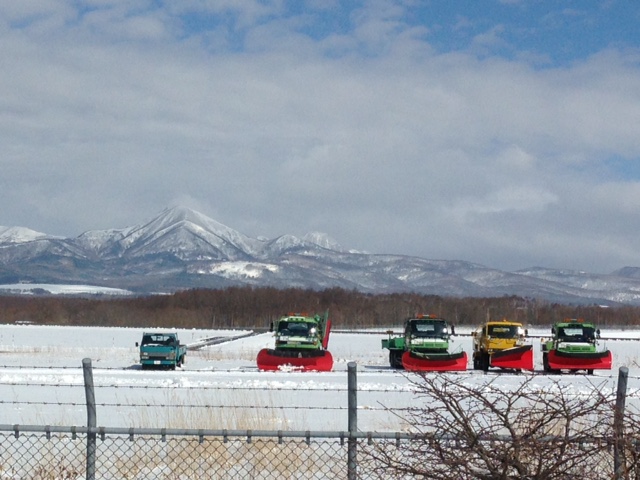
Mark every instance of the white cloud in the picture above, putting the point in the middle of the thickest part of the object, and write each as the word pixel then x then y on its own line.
pixel 111 117
pixel 516 199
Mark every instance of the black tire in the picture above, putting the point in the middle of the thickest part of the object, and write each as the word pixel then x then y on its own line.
pixel 476 362
pixel 590 371
pixel 395 359
pixel 485 362
pixel 545 363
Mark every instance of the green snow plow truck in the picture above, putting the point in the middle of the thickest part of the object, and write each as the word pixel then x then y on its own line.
pixel 424 346
pixel 574 346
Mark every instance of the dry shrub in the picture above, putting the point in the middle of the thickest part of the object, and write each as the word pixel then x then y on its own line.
pixel 491 431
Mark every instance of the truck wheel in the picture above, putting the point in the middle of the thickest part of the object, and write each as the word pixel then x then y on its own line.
pixel 545 363
pixel 485 362
pixel 590 371
pixel 395 359
pixel 476 362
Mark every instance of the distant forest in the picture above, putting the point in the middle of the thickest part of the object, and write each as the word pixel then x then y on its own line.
pixel 247 307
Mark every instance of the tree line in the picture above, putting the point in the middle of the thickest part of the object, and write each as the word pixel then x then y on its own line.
pixel 252 307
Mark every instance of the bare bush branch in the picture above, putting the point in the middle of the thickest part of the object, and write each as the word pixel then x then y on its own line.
pixel 493 431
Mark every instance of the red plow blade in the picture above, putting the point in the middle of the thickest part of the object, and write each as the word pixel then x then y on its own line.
pixel 519 358
pixel 311 361
pixel 439 362
pixel 559 360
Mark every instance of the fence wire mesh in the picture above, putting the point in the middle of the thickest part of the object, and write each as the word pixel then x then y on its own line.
pixel 62 456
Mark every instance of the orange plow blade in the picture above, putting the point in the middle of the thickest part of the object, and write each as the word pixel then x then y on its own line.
pixel 519 358
pixel 559 360
pixel 435 362
pixel 305 361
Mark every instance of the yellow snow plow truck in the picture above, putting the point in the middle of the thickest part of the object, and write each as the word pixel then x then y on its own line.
pixel 501 344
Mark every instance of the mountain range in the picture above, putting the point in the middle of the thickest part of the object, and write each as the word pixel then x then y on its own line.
pixel 181 248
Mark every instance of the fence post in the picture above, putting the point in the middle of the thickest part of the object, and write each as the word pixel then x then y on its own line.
pixel 352 386
pixel 618 422
pixel 91 418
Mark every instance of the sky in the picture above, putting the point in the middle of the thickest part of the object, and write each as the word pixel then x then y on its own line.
pixel 501 132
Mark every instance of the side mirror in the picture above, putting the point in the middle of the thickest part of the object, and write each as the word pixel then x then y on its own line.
pixel 271 327
pixel 598 333
pixel 526 332
pixel 453 330
pixel 137 344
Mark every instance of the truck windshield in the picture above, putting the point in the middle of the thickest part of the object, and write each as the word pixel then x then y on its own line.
pixel 576 333
pixel 503 331
pixel 297 329
pixel 428 328
pixel 158 340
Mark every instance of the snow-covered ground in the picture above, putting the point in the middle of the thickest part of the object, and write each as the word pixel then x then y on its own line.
pixel 41 381
pixel 51 289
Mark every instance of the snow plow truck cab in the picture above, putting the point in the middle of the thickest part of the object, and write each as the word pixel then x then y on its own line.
pixel 501 344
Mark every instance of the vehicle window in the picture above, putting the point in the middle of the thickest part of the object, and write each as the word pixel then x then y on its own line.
pixel 576 334
pixel 158 340
pixel 503 331
pixel 298 329
pixel 428 329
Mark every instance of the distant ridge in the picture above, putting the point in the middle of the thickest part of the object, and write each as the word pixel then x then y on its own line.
pixel 181 248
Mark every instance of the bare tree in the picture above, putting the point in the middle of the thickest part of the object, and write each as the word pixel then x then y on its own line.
pixel 497 431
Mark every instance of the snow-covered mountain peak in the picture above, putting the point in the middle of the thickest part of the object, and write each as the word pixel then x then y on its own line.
pixel 180 214
pixel 286 241
pixel 323 240
pixel 185 230
pixel 20 235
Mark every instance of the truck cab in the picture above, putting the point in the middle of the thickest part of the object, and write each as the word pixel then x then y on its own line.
pixel 298 331
pixel 161 350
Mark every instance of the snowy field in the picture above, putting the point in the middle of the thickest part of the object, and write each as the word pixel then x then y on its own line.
pixel 41 380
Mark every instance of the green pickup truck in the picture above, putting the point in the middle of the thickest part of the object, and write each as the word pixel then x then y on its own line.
pixel 161 350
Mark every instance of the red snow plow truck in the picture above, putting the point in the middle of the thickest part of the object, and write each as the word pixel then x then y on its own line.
pixel 301 344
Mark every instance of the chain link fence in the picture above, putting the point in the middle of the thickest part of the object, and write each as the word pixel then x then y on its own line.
pixel 60 453
pixel 38 453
